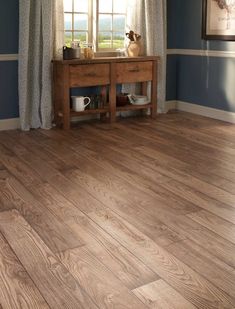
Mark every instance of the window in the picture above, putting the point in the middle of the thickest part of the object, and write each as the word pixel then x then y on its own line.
pixel 77 18
pixel 101 22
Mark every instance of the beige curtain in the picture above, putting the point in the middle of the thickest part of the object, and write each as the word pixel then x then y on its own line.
pixel 39 34
pixel 148 18
pixel 58 28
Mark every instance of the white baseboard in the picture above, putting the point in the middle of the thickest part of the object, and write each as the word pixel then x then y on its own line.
pixel 170 105
pixel 9 124
pixel 201 110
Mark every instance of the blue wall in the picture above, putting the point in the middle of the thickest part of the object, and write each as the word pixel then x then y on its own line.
pixel 171 77
pixel 8 69
pixel 8 90
pixel 206 81
pixel 9 26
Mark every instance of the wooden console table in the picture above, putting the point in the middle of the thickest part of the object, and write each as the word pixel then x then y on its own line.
pixel 108 71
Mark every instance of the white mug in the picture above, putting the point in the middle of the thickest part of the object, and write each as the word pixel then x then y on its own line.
pixel 79 103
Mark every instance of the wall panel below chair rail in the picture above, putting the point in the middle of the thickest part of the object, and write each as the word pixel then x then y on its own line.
pixel 205 78
pixel 202 77
pixel 9 26
pixel 171 77
pixel 9 106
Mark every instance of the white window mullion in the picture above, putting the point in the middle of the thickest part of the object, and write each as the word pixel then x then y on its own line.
pixel 90 21
pixel 96 23
pixel 112 25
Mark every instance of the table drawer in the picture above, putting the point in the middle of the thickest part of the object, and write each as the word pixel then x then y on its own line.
pixel 134 72
pixel 89 75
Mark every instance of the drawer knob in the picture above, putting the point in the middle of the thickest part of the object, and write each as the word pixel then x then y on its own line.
pixel 135 70
pixel 90 74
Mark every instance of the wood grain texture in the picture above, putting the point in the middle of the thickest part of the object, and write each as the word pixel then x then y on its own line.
pixel 212 268
pixel 89 75
pixel 160 295
pixel 215 224
pixel 99 283
pixel 181 151
pixel 197 171
pixel 54 282
pixel 106 60
pixel 53 232
pixel 103 188
pixel 147 205
pixel 134 72
pixel 201 200
pixel 171 147
pixel 106 190
pixel 189 284
pixel 17 290
pixel 123 263
pixel 65 99
pixel 212 242
pixel 181 225
pixel 42 171
pixel 129 269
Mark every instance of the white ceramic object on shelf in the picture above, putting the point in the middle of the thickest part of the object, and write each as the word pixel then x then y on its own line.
pixel 138 99
pixel 79 104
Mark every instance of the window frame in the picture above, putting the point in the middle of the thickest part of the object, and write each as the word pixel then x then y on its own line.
pixel 93 25
pixel 112 31
pixel 89 15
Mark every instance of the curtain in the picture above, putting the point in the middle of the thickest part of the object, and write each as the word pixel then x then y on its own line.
pixel 38 35
pixel 148 18
pixel 58 28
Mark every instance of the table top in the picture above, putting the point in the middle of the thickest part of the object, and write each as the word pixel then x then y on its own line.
pixel 106 60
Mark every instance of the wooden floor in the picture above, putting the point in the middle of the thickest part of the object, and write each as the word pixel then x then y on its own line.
pixel 139 214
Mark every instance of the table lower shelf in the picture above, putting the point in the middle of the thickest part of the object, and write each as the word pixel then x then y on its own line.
pixel 86 112
pixel 131 107
pixel 89 111
pixel 128 107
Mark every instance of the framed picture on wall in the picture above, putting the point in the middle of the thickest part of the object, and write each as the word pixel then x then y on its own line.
pixel 218 20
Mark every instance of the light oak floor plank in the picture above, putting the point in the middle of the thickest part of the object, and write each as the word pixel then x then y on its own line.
pixel 54 282
pixel 161 159
pixel 160 295
pixel 99 283
pixel 126 267
pixel 181 152
pixel 53 232
pixel 187 282
pixel 48 173
pixel 212 268
pixel 17 290
pixel 215 224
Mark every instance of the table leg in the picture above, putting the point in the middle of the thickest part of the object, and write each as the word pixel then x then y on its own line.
pixel 66 98
pixel 112 92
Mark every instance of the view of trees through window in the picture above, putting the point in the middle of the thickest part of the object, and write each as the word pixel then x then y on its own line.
pixel 110 22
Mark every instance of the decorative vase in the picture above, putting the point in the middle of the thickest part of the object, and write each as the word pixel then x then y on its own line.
pixel 133 49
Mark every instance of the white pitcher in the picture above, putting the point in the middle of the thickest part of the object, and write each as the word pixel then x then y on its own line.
pixel 79 104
